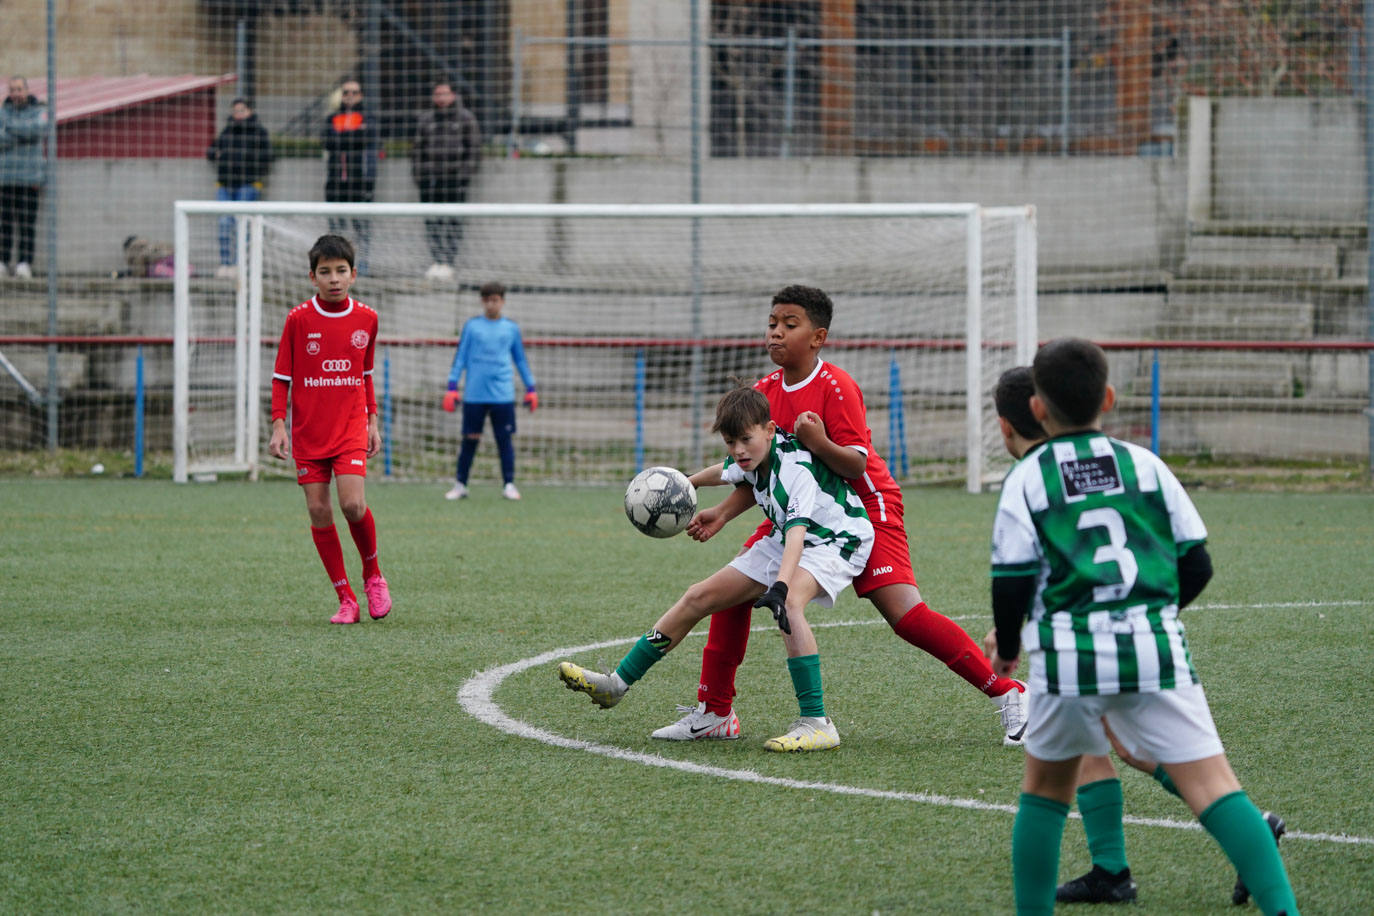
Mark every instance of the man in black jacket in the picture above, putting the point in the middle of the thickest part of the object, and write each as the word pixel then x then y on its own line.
pixel 443 159
pixel 242 155
pixel 352 142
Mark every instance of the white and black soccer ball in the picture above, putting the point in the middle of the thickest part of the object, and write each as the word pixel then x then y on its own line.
pixel 660 502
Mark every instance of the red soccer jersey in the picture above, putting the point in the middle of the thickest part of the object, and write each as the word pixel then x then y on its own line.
pixel 835 397
pixel 326 359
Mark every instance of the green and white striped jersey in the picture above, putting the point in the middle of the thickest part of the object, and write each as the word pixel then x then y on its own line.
pixel 793 488
pixel 1101 524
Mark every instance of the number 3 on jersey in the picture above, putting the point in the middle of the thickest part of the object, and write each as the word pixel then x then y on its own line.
pixel 1114 551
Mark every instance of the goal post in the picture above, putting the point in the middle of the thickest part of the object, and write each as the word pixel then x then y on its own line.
pixel 635 318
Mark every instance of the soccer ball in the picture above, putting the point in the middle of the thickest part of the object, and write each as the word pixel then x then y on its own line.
pixel 660 502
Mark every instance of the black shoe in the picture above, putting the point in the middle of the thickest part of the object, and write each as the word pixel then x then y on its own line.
pixel 1098 886
pixel 1241 893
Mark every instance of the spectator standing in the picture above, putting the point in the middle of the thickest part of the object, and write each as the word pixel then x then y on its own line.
pixel 443 159
pixel 23 172
pixel 242 155
pixel 352 146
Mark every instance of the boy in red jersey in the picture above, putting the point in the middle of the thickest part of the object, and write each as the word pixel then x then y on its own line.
pixel 324 364
pixel 823 407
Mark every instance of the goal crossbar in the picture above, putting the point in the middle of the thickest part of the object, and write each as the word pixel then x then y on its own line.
pixel 249 242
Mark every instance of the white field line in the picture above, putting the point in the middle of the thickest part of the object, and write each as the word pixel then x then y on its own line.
pixel 475 696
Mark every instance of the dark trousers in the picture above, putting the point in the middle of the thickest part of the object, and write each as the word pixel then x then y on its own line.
pixel 444 233
pixel 18 213
pixel 502 429
pixel 361 228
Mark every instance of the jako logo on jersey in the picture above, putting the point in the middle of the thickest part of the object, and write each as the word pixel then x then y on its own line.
pixel 313 348
pixel 336 365
pixel 881 571
pixel 359 339
pixel 314 335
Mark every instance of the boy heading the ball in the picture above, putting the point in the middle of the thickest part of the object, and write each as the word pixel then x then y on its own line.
pixel 824 408
pixel 1095 547
pixel 324 371
pixel 819 541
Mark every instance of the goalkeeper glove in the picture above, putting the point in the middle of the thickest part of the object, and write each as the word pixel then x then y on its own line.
pixel 451 399
pixel 775 599
pixel 532 400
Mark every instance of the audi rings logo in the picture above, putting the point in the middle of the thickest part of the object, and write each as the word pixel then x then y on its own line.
pixel 336 365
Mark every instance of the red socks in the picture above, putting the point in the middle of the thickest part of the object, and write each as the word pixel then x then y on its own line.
pixel 364 532
pixel 724 653
pixel 331 554
pixel 947 641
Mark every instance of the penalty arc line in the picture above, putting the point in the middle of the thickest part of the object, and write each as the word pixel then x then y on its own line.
pixel 475 697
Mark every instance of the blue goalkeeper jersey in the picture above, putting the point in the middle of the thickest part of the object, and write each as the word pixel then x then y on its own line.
pixel 486 351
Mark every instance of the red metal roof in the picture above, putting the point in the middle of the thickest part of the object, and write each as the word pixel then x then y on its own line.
pixel 88 96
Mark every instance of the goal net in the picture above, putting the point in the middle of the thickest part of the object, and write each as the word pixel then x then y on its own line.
pixel 635 318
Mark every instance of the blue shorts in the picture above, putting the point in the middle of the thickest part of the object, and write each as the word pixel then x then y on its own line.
pixel 475 416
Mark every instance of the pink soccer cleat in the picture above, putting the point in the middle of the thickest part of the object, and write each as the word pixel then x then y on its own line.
pixel 378 597
pixel 348 611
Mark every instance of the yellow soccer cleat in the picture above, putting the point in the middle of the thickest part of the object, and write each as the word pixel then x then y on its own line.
pixel 809 733
pixel 604 689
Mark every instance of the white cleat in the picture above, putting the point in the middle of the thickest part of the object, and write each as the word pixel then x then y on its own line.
pixel 459 491
pixel 699 724
pixel 1011 706
pixel 509 491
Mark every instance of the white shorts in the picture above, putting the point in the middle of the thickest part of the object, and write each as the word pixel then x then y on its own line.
pixel 1170 726
pixel 831 571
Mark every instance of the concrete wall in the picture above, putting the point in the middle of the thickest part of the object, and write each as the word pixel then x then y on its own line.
pixel 1103 214
pixel 1288 159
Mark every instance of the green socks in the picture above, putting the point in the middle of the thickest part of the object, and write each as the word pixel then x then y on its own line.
pixel 806 681
pixel 1162 777
pixel 1101 806
pixel 641 657
pixel 1035 837
pixel 1235 823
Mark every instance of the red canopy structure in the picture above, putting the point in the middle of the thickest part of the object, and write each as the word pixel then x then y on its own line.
pixel 138 116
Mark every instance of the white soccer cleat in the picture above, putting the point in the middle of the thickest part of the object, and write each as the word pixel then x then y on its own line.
pixel 809 733
pixel 509 491
pixel 226 272
pixel 699 724
pixel 459 491
pixel 1011 706
pixel 439 272
pixel 23 271
pixel 604 689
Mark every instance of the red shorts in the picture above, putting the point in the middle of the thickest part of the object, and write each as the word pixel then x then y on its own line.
pixel 888 564
pixel 322 470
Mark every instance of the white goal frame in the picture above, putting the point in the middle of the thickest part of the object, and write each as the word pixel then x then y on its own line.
pixel 249 302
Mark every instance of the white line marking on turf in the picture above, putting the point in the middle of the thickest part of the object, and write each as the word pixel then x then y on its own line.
pixel 475 696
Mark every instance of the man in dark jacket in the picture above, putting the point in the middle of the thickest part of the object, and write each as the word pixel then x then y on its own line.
pixel 443 159
pixel 242 155
pixel 23 172
pixel 352 143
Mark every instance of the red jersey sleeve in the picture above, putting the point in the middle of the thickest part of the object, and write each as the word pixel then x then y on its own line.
pixel 281 369
pixel 843 412
pixel 369 357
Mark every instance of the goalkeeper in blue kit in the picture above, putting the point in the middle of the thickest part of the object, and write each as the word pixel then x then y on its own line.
pixel 487 348
pixel 1095 548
